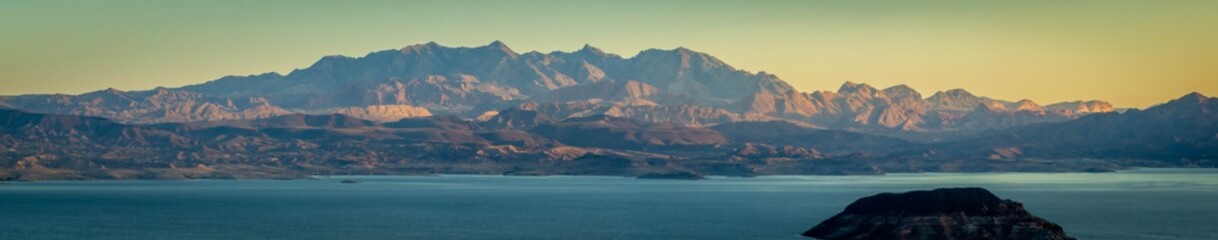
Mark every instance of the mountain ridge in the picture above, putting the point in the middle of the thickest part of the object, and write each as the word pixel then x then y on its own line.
pixel 36 146
pixel 679 85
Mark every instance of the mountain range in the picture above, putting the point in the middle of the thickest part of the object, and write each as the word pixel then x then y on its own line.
pixel 680 86
pixel 429 109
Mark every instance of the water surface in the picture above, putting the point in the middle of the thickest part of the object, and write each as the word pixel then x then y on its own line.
pixel 1137 204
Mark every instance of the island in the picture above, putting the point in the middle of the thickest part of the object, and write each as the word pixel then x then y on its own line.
pixel 949 213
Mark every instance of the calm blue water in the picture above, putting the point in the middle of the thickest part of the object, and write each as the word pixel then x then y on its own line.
pixel 1140 204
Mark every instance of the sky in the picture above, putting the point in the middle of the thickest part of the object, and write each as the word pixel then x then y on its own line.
pixel 1130 53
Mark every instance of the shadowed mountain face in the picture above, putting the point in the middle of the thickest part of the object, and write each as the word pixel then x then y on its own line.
pixel 952 213
pixel 680 86
pixel 830 141
pixel 624 133
pixel 1185 129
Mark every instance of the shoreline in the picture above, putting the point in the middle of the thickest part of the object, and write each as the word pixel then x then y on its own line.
pixel 710 177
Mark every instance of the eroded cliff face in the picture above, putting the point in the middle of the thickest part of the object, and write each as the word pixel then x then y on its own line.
pixel 152 106
pixel 381 113
pixel 951 213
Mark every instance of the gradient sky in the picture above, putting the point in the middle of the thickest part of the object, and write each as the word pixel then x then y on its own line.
pixel 1131 53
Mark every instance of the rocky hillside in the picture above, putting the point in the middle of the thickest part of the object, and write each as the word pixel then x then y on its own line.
pixel 36 146
pixel 1183 130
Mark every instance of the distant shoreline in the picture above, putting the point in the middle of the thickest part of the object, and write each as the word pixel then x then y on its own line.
pixel 1199 170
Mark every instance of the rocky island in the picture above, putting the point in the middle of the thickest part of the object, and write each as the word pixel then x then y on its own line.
pixel 950 213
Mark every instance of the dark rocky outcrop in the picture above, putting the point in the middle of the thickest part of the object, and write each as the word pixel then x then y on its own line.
pixel 515 118
pixel 950 213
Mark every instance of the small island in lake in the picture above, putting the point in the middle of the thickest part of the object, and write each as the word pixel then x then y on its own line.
pixel 949 213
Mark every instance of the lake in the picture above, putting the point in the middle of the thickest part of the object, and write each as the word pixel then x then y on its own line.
pixel 1136 204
